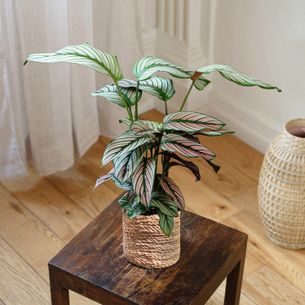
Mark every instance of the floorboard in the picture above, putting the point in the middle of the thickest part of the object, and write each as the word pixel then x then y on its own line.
pixel 39 215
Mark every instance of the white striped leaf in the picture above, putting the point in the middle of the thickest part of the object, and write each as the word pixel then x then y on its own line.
pixel 123 185
pixel 186 147
pixel 215 133
pixel 83 54
pixel 143 179
pixel 126 164
pixel 141 127
pixel 147 66
pixel 165 205
pixel 160 87
pixel 201 82
pixel 166 223
pixel 102 179
pixel 110 93
pixel 124 144
pixel 172 189
pixel 189 121
pixel 235 76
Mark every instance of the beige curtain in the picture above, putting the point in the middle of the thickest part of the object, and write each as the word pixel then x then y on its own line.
pixel 46 111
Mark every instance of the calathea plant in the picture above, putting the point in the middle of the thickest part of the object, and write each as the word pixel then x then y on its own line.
pixel 144 145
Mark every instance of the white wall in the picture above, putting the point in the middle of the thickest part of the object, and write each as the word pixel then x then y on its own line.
pixel 266 39
pixel 263 38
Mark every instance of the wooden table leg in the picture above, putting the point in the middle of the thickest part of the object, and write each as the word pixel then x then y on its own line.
pixel 59 295
pixel 234 282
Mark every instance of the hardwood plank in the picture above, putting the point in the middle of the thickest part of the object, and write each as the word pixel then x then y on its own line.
pixel 27 234
pixel 78 183
pixel 266 287
pixel 55 209
pixel 19 284
pixel 2 302
pixel 280 259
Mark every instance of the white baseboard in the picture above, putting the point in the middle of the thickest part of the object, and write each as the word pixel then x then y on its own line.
pixel 250 126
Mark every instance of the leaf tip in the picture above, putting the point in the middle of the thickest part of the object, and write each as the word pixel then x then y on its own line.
pixel 25 62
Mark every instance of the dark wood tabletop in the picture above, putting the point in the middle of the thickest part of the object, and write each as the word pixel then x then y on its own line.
pixel 93 265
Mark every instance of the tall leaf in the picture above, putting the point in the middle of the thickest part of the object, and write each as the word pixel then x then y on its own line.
pixel 186 147
pixel 166 223
pixel 147 66
pixel 125 166
pixel 160 87
pixel 110 93
pixel 165 205
pixel 145 127
pixel 235 76
pixel 143 179
pixel 189 121
pixel 124 144
pixel 172 189
pixel 85 55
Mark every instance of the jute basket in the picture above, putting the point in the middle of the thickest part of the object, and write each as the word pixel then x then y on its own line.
pixel 281 190
pixel 146 245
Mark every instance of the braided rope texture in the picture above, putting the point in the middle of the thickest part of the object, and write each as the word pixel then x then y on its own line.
pixel 281 189
pixel 145 244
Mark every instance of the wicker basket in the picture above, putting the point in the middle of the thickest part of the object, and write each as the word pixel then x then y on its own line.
pixel 281 190
pixel 145 244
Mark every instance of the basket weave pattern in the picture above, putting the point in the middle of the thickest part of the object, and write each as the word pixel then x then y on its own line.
pixel 146 245
pixel 281 190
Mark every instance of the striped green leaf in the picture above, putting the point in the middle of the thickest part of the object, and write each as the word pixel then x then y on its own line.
pixel 147 66
pixel 141 127
pixel 102 179
pixel 201 82
pixel 189 121
pixel 157 86
pixel 143 179
pixel 235 76
pixel 85 55
pixel 165 205
pixel 124 144
pixel 186 147
pixel 172 189
pixel 214 133
pixel 166 223
pixel 127 186
pixel 110 93
pixel 125 166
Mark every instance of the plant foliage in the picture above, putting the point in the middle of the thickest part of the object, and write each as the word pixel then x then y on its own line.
pixel 135 154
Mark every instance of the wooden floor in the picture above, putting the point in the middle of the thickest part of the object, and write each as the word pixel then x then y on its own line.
pixel 39 215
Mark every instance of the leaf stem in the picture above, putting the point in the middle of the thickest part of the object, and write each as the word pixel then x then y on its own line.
pixel 127 107
pixel 187 95
pixel 165 104
pixel 137 101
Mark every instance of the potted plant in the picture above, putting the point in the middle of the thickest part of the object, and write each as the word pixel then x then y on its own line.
pixel 143 155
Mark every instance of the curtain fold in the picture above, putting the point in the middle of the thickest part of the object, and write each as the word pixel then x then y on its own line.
pixel 47 113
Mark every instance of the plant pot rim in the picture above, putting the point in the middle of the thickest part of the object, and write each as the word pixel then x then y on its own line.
pixel 147 216
pixel 299 122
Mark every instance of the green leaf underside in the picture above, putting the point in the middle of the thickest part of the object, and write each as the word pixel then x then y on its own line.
pixel 157 86
pixel 143 179
pixel 235 76
pixel 166 223
pixel 110 93
pixel 130 203
pixel 85 55
pixel 172 189
pixel 124 144
pixel 189 121
pixel 186 147
pixel 166 207
pixel 145 127
pixel 127 163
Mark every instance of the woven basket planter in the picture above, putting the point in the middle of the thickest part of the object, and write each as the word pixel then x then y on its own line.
pixel 146 245
pixel 281 190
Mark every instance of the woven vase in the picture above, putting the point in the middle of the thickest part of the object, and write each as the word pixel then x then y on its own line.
pixel 281 190
pixel 145 244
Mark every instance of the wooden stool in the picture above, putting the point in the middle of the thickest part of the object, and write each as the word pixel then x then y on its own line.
pixel 93 265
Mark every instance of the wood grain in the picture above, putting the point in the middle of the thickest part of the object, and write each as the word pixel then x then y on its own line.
pixel 35 223
pixel 209 251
